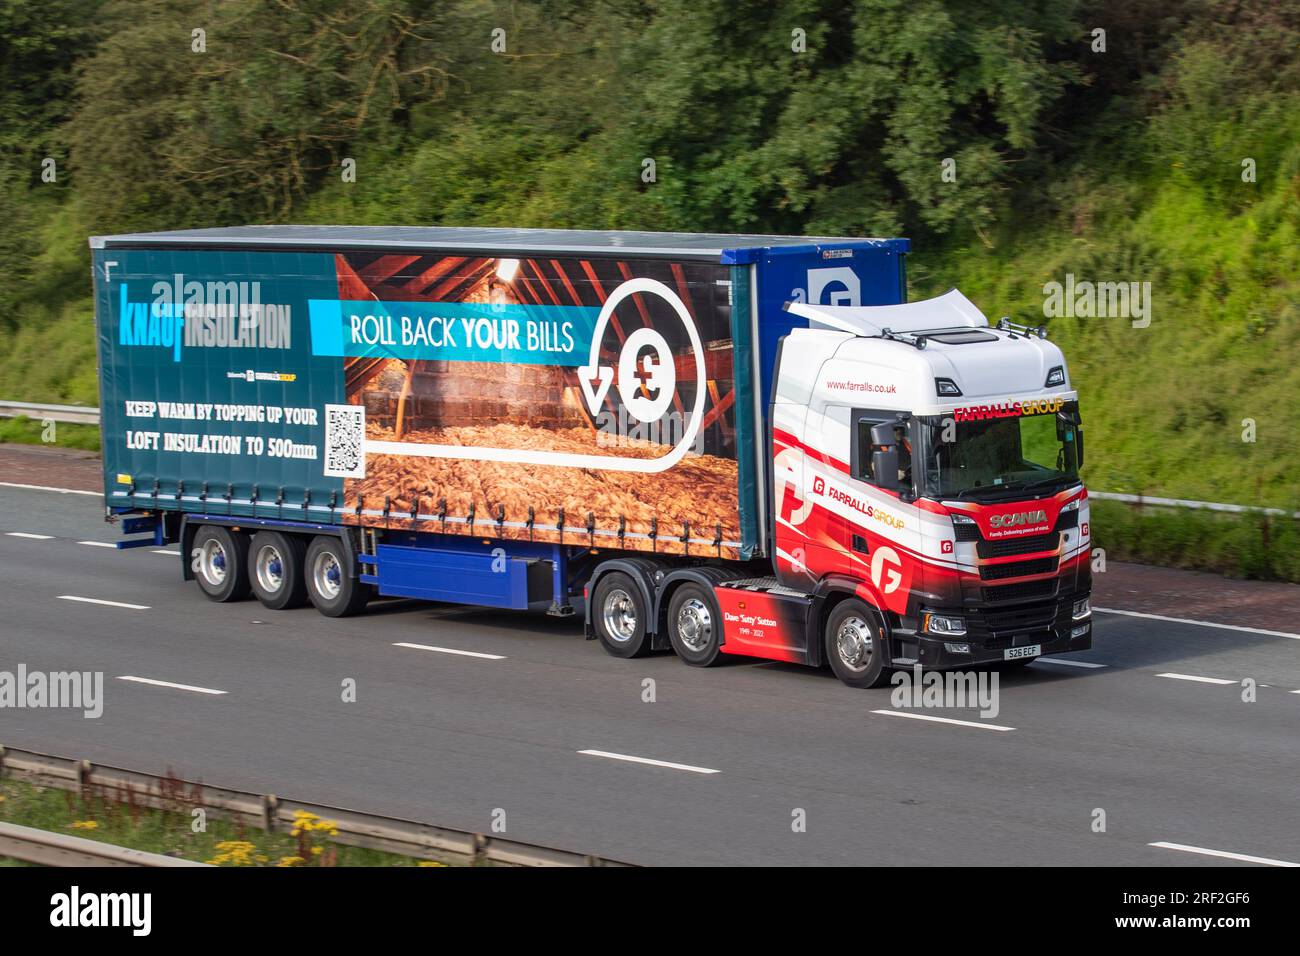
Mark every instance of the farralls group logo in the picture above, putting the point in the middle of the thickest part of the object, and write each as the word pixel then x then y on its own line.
pixel 193 314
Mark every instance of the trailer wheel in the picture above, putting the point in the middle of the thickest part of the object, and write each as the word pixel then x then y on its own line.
pixel 855 644
pixel 275 569
pixel 333 591
pixel 619 615
pixel 694 625
pixel 219 558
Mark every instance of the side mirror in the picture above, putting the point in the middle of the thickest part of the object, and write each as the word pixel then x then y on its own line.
pixel 883 434
pixel 884 466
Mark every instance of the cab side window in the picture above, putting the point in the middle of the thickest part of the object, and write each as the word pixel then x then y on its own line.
pixel 862 464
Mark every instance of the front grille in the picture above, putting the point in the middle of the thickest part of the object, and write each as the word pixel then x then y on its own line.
pixel 966 532
pixel 1017 569
pixel 1031 623
pixel 1006 547
pixel 1019 592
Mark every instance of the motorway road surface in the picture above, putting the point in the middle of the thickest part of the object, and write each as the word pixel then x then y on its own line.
pixel 449 738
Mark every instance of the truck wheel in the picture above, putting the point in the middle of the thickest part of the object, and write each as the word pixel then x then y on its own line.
pixel 619 615
pixel 333 591
pixel 275 569
pixel 694 625
pixel 219 558
pixel 855 644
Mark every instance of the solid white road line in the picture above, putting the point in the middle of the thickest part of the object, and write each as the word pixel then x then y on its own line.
pixel 1187 620
pixel 1061 660
pixel 1199 680
pixel 450 650
pixel 86 600
pixel 62 491
pixel 1223 853
pixel 163 683
pixel 26 534
pixel 99 544
pixel 646 760
pixel 943 720
pixel 171 554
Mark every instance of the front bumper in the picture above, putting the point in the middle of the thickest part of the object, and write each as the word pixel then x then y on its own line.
pixel 991 631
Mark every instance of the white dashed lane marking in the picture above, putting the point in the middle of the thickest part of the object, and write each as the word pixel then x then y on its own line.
pixel 164 683
pixel 1063 661
pixel 1199 680
pixel 87 600
pixel 646 760
pixel 944 720
pixel 450 650
pixel 1223 854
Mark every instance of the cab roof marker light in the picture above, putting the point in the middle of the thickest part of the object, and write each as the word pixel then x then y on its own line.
pixel 946 386
pixel 1055 377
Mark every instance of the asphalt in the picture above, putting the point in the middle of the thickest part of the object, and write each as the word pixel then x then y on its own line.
pixel 451 739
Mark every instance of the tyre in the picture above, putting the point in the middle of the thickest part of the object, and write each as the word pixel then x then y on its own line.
pixel 694 625
pixel 333 591
pixel 855 644
pixel 219 559
pixel 619 615
pixel 275 569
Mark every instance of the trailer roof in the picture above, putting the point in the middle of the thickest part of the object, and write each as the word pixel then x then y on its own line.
pixel 730 249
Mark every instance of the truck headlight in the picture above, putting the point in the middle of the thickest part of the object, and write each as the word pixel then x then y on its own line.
pixel 943 624
pixel 1082 609
pixel 1055 377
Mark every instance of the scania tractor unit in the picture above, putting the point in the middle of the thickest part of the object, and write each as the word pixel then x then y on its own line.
pixel 716 444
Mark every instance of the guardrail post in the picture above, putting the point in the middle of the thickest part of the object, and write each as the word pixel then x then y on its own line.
pixel 270 803
pixel 81 769
pixel 2 763
pixel 479 845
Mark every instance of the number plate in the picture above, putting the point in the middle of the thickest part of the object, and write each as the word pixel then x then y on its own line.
pixel 1016 653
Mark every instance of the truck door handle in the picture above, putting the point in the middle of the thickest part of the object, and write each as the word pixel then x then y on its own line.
pixel 860 544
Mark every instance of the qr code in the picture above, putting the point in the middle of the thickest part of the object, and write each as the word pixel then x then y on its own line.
pixel 345 433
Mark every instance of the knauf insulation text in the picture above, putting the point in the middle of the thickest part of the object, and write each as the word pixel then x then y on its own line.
pixel 229 315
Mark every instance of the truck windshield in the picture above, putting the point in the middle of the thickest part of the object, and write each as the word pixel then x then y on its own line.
pixel 998 457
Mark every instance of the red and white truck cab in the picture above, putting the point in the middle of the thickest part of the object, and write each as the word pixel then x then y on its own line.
pixel 926 463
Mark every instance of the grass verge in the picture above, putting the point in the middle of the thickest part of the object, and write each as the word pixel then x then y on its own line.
pixel 28 431
pixel 114 816
pixel 1253 546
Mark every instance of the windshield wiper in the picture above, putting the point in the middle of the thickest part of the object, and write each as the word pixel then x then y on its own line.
pixel 1024 484
pixel 981 488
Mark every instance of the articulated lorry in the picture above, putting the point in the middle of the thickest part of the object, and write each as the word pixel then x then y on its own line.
pixel 718 444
